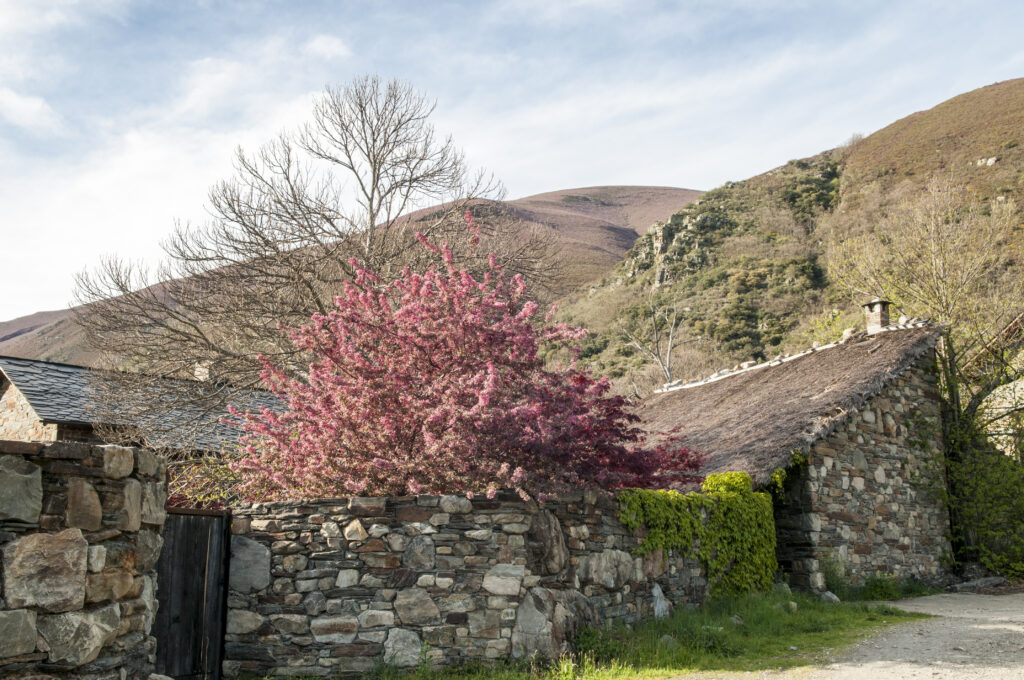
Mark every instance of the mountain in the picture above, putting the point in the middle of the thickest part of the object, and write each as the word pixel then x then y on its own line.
pixel 594 227
pixel 746 266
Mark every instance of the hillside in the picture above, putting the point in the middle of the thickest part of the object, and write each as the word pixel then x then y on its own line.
pixel 594 227
pixel 746 266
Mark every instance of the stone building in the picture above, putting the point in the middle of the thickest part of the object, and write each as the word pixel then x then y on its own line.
pixel 45 401
pixel 855 426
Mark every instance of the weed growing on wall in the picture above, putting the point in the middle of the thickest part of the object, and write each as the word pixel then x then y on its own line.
pixel 728 523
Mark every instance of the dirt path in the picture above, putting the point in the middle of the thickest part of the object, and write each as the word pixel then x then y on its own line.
pixel 976 637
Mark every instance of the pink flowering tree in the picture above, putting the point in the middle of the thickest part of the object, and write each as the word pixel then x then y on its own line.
pixel 435 383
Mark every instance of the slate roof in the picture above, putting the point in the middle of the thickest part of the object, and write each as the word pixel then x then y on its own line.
pixel 752 420
pixel 64 394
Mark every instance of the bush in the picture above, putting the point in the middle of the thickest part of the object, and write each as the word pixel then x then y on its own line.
pixel 731 525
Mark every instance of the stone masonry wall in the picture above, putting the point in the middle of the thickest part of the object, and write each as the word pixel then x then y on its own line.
pixel 867 497
pixel 333 588
pixel 79 540
pixel 18 420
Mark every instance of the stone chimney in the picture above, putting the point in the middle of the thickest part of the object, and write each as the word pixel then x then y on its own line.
pixel 876 314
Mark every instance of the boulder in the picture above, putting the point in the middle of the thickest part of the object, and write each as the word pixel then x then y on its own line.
pixel 242 621
pixel 21 489
pixel 76 638
pixel 147 463
pixel 46 571
pixel 419 553
pixel 415 608
pixel 402 648
pixel 335 629
pixel 118 461
pixel 548 620
pixel 504 579
pixel 250 565
pixel 83 510
pixel 17 632
pixel 548 552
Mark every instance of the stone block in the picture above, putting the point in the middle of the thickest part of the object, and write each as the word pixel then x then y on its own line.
pixel 419 553
pixel 504 579
pixel 373 618
pixel 131 509
pixel 76 638
pixel 292 624
pixel 97 558
pixel 154 503
pixel 108 585
pixel 250 565
pixel 17 632
pixel 334 629
pixel 83 510
pixel 147 463
pixel 242 621
pixel 118 461
pixel 354 531
pixel 147 548
pixel 402 648
pixel 21 489
pixel 415 608
pixel 367 507
pixel 456 505
pixel 46 571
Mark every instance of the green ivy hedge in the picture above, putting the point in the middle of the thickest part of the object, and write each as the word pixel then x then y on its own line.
pixel 728 525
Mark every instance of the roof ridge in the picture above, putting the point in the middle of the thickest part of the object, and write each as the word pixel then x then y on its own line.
pixel 749 366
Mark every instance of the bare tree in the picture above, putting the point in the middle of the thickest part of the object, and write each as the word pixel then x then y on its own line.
pixel 945 256
pixel 357 181
pixel 653 330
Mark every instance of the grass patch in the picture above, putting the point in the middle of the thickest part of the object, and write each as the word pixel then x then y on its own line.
pixel 749 633
pixel 874 588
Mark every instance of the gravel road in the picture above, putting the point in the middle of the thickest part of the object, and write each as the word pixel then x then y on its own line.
pixel 975 637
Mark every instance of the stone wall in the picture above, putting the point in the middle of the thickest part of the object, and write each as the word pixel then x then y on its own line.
pixel 333 588
pixel 18 420
pixel 79 538
pixel 867 498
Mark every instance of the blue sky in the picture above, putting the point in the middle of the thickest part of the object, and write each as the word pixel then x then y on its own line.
pixel 117 115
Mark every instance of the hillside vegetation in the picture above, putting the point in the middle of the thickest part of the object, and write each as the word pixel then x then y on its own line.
pixel 746 266
pixel 593 228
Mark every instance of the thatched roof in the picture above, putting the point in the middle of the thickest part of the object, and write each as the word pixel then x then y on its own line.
pixel 752 420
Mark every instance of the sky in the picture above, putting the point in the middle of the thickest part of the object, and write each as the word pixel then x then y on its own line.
pixel 116 116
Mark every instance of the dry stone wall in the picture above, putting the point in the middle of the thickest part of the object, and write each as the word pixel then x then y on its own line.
pixel 79 540
pixel 867 498
pixel 335 587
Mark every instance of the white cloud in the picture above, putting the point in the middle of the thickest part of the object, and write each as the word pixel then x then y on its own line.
pixel 29 113
pixel 327 47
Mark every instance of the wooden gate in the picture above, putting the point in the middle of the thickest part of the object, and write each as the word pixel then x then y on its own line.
pixel 192 591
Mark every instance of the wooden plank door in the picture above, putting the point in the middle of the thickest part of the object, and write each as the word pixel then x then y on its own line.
pixel 192 595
